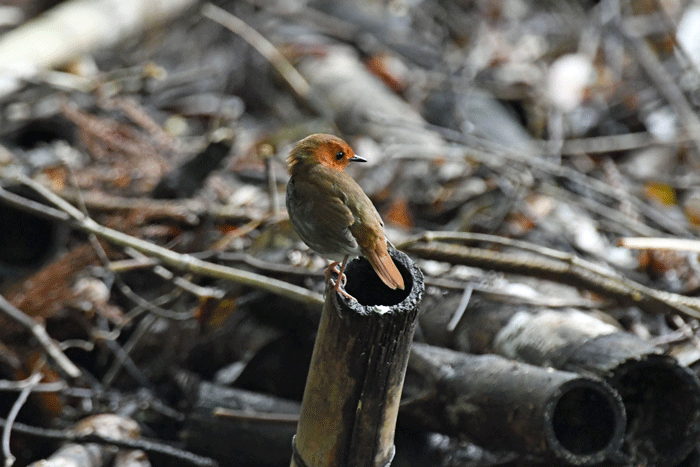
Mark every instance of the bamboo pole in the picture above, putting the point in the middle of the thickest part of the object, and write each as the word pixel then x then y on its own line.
pixel 503 405
pixel 661 396
pixel 351 401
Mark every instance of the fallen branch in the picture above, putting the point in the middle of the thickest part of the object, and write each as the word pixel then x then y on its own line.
pixel 258 42
pixel 186 211
pixel 555 266
pixel 183 262
pixel 62 33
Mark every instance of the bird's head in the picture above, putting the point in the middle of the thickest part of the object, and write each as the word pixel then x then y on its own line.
pixel 323 149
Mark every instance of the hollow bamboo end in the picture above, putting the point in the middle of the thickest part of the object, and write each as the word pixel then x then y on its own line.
pixel 662 399
pixel 372 295
pixel 586 421
pixel 353 391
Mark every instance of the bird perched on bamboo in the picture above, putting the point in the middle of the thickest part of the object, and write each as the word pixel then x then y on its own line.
pixel 331 213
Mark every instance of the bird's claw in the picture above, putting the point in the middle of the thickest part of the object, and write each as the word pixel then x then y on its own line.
pixel 336 287
pixel 343 279
pixel 333 267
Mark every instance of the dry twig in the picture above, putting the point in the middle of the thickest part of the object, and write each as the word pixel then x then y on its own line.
pixel 645 243
pixel 297 82
pixel 187 211
pixel 146 445
pixel 29 383
pixel 553 265
pixel 42 336
pixel 667 87
pixel 183 262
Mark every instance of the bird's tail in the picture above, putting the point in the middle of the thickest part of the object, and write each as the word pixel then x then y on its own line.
pixel 384 267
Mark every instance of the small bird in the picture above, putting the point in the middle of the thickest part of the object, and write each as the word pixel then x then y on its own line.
pixel 331 213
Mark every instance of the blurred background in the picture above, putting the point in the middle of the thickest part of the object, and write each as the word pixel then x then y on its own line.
pixel 536 159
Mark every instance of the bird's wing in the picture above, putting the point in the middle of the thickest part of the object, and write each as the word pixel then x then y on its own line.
pixel 370 236
pixel 328 216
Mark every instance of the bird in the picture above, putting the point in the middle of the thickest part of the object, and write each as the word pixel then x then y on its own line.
pixel 332 214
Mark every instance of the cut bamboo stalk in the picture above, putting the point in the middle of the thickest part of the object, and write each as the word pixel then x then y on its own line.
pixel 348 413
pixel 661 396
pixel 503 405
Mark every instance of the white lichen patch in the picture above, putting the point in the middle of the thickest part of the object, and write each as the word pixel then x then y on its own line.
pixel 381 309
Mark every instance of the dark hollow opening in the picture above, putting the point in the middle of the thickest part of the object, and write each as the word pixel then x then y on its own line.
pixel 584 421
pixel 662 401
pixel 365 285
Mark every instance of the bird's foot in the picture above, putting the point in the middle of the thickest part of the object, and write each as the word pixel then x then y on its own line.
pixel 333 267
pixel 342 278
pixel 337 285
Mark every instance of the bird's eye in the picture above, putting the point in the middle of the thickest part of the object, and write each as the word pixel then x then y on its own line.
pixel 339 155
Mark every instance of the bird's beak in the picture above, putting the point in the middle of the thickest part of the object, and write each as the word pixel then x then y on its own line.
pixel 357 158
